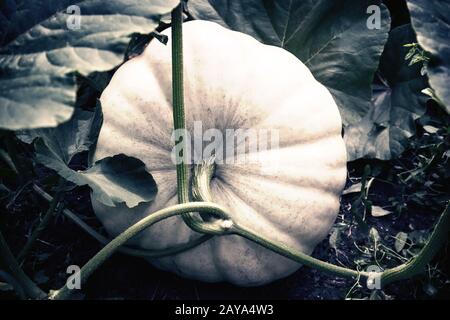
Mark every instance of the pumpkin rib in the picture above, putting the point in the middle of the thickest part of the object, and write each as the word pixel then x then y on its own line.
pixel 280 224
pixel 139 144
pixel 165 147
pixel 320 185
pixel 287 184
pixel 263 270
pixel 222 244
pixel 201 259
pixel 231 191
pixel 333 141
pixel 276 225
pixel 267 51
pixel 283 146
pixel 106 151
pixel 150 65
pixel 124 127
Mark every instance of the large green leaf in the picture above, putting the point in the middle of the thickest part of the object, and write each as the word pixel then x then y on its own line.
pixel 113 180
pixel 330 36
pixel 40 52
pixel 431 21
pixel 397 102
pixel 78 134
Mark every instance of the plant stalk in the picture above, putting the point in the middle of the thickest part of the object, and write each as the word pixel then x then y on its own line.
pixel 110 248
pixel 54 208
pixel 179 121
pixel 4 276
pixel 124 249
pixel 29 287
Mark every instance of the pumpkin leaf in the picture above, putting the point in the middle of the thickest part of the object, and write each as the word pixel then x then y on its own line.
pixel 44 43
pixel 78 134
pixel 397 102
pixel 431 22
pixel 113 180
pixel 91 87
pixel 330 36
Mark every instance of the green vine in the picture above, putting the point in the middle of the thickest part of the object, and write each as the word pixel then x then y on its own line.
pixel 179 122
pixel 149 254
pixel 110 248
pixel 54 208
pixel 12 266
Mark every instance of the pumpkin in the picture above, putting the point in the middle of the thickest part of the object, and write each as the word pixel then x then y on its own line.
pixel 231 81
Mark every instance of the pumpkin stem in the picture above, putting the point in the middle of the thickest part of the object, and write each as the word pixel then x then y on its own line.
pixel 194 222
pixel 203 174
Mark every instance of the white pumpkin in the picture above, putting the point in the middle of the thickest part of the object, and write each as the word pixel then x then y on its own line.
pixel 231 81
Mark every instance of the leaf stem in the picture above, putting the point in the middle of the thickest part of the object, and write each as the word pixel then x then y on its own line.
pixel 54 208
pixel 179 121
pixel 8 160
pixel 10 280
pixel 30 288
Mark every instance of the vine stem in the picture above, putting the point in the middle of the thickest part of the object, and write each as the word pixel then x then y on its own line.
pixel 110 248
pixel 297 256
pixel 179 123
pixel 54 208
pixel 13 283
pixel 29 287
pixel 124 249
